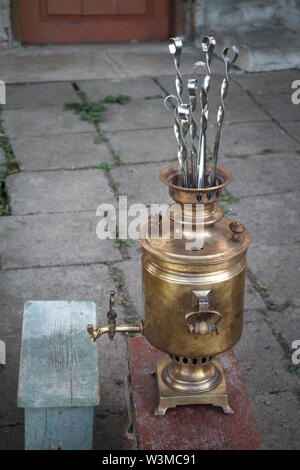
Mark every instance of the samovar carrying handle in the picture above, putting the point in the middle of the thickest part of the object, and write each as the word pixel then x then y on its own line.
pixel 205 326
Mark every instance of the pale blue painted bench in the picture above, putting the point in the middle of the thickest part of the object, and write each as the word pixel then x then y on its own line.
pixel 59 377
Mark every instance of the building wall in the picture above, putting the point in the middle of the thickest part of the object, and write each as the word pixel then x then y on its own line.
pixel 223 15
pixel 5 24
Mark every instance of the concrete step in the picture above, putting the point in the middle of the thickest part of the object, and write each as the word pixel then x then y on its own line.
pixel 262 48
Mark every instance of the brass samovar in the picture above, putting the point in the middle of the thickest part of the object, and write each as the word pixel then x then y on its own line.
pixel 193 299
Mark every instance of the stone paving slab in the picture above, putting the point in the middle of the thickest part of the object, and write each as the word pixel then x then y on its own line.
pixel 66 151
pixel 241 139
pixel 252 176
pixel 42 122
pixel 142 60
pixel 271 220
pixel 39 95
pixel 294 129
pixel 135 87
pixel 262 362
pixel 53 240
pixel 138 114
pixel 280 107
pixel 287 322
pixel 145 145
pixel 2 161
pixel 141 183
pixel 239 108
pixel 54 192
pixel 93 61
pixel 56 63
pixel 268 83
pixel 12 440
pixel 278 266
pixel 277 417
pixel 63 283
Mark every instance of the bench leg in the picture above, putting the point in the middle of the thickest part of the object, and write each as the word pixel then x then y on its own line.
pixel 66 428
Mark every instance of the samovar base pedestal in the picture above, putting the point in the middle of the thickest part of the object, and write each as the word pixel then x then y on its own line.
pixel 175 388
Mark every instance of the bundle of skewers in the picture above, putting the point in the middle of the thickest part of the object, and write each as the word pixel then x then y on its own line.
pixel 192 157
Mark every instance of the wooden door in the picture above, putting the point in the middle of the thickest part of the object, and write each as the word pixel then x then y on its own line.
pixel 79 21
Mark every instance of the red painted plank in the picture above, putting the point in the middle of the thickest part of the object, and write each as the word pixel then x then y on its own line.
pixel 191 427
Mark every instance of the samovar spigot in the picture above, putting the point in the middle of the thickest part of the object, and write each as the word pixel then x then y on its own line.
pixel 111 328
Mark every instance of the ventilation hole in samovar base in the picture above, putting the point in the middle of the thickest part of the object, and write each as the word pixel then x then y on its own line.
pixel 185 360
pixel 203 360
pixel 195 361
pixel 177 358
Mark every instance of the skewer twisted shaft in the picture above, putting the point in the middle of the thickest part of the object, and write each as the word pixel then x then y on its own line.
pixel 192 90
pixel 201 160
pixel 175 48
pixel 184 117
pixel 221 110
pixel 171 103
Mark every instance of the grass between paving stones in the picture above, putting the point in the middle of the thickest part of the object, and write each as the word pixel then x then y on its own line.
pixel 119 242
pixel 271 304
pixel 104 166
pixel 153 97
pixel 259 288
pixel 228 197
pixel 122 296
pixel 92 111
pixel 294 369
pixel 244 156
pixel 11 165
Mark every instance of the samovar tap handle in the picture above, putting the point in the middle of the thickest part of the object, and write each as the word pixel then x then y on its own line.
pixel 112 328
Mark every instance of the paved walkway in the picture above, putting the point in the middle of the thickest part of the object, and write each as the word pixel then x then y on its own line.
pixel 49 249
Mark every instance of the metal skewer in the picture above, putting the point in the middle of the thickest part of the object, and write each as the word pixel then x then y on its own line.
pixel 171 103
pixel 175 48
pixel 184 117
pixel 208 45
pixel 192 90
pixel 221 110
pixel 201 153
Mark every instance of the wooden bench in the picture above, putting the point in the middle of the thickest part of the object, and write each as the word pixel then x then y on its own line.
pixel 59 377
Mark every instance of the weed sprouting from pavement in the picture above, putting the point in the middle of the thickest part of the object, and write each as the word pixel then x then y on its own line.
pixel 104 166
pixel 227 197
pixel 119 242
pixel 11 165
pixel 153 97
pixel 92 111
